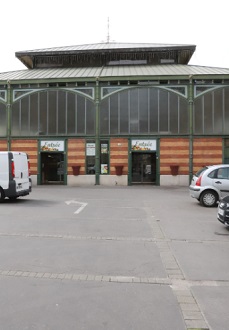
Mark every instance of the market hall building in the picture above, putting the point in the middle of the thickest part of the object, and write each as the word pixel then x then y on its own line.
pixel 115 114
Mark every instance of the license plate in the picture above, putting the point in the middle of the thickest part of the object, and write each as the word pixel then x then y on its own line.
pixel 221 212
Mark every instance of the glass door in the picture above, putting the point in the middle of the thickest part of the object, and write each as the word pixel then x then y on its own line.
pixel 52 168
pixel 144 168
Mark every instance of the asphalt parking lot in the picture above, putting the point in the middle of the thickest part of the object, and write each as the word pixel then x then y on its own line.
pixel 113 258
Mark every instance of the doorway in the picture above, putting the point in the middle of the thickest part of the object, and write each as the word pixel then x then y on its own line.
pixel 52 168
pixel 143 168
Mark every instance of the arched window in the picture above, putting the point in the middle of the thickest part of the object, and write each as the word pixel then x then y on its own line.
pixel 211 112
pixel 144 111
pixel 53 112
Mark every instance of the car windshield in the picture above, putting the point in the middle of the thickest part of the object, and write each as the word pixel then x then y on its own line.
pixel 197 174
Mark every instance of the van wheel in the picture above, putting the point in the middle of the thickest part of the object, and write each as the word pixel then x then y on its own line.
pixel 2 195
pixel 209 198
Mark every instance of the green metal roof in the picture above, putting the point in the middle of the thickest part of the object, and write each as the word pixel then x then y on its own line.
pixel 113 72
pixel 105 54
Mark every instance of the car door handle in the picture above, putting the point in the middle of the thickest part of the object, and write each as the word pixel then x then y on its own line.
pixel 218 182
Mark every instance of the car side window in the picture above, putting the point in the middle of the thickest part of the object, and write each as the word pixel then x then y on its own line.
pixel 213 174
pixel 223 173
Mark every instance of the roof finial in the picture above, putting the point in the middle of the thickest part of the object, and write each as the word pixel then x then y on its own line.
pixel 108 31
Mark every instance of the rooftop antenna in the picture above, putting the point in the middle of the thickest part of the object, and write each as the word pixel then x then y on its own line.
pixel 108 30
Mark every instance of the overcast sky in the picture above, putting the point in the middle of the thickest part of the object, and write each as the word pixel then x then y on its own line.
pixel 28 25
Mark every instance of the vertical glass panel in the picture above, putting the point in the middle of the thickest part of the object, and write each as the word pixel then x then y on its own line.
pixel 90 157
pixel 218 118
pixel 34 114
pixel 174 110
pixel 25 124
pixel 183 116
pixel 114 114
pixel 143 111
pixel 198 116
pixel 61 108
pixel 3 126
pixel 164 113
pixel 134 120
pixel 226 108
pixel 81 107
pixel 71 114
pixel 208 113
pixel 43 120
pixel 104 157
pixel 15 119
pixel 154 104
pixel 52 112
pixel 124 117
pixel 90 117
pixel 104 117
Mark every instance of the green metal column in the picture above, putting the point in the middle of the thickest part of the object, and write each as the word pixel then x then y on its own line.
pixel 97 133
pixel 190 108
pixel 8 109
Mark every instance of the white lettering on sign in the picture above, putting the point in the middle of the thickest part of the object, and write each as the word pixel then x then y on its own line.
pixel 141 145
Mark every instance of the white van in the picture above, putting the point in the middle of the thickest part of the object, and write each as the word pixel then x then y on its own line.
pixel 15 178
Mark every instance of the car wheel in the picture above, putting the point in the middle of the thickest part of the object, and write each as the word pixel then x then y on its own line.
pixel 2 195
pixel 209 198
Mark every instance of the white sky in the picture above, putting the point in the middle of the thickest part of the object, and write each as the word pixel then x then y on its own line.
pixel 27 25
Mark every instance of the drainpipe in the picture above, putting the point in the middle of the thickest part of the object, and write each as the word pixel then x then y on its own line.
pixel 190 108
pixel 8 109
pixel 97 129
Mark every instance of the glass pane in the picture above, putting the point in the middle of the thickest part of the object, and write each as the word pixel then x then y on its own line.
pixel 61 108
pixel 218 112
pixel 143 113
pixel 90 119
pixel 134 120
pixel 71 113
pixel 226 102
pixel 154 103
pixel 104 117
pixel 164 112
pixel 43 123
pixel 198 117
pixel 174 109
pixel 114 114
pixel 80 114
pixel 52 112
pixel 104 157
pixel 124 117
pixel 208 113
pixel 3 125
pixel 25 126
pixel 34 114
pixel 183 116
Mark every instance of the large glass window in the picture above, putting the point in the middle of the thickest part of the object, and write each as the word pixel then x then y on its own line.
pixel 53 112
pixel 211 112
pixel 3 126
pixel 144 111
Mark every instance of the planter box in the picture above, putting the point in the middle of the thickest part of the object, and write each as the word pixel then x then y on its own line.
pixel 174 169
pixel 76 169
pixel 118 169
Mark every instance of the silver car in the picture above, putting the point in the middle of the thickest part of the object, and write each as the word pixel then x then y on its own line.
pixel 210 184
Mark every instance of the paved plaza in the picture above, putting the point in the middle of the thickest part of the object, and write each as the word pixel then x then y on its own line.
pixel 113 258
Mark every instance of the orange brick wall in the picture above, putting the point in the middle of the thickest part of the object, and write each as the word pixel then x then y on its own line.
pixel 118 154
pixel 76 155
pixel 207 151
pixel 174 152
pixel 30 147
pixel 3 145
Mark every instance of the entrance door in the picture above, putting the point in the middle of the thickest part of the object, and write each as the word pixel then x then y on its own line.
pixel 144 168
pixel 52 168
